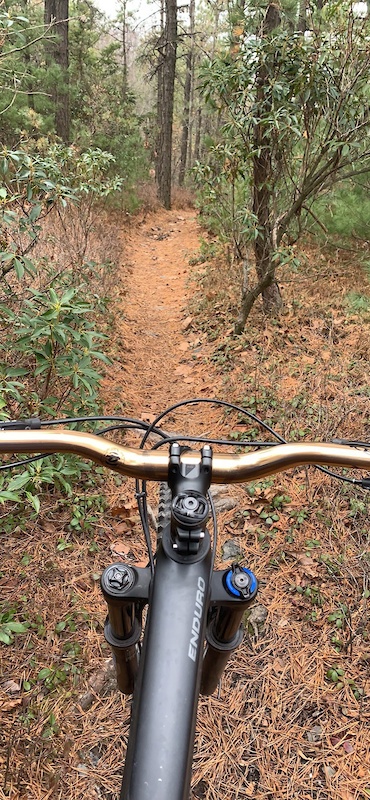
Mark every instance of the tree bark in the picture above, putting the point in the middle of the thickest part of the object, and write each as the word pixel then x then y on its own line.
pixel 27 61
pixel 262 178
pixel 56 13
pixel 124 50
pixel 262 195
pixel 160 49
pixel 249 296
pixel 186 119
pixel 302 16
pixel 198 131
pixel 166 84
pixel 189 76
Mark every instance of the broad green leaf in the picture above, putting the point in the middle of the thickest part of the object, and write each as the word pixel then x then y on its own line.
pixel 67 296
pixel 53 297
pixel 17 627
pixel 28 265
pixel 19 481
pixel 44 673
pixel 9 217
pixel 100 356
pixel 34 500
pixel 35 212
pixel 5 495
pixel 16 372
pixel 19 268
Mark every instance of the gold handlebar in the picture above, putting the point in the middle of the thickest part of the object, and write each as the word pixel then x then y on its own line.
pixel 153 465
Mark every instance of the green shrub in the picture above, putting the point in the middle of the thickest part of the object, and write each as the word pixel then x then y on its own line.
pixel 50 349
pixel 56 343
pixel 344 212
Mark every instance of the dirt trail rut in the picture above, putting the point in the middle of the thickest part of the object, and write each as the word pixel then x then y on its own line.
pixel 158 355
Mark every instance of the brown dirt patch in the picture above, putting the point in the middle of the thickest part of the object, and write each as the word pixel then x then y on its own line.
pixel 158 358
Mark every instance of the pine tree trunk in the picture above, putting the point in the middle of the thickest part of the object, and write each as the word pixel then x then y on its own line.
pixel 302 16
pixel 185 122
pixel 160 48
pixel 56 14
pixel 124 51
pixel 166 84
pixel 198 130
pixel 189 79
pixel 27 62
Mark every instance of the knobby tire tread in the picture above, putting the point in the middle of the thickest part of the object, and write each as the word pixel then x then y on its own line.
pixel 164 509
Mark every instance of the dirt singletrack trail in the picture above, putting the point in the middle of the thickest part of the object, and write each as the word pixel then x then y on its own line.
pixel 158 358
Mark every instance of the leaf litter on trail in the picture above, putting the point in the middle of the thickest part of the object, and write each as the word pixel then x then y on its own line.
pixel 119 548
pixel 184 369
pixel 306 565
pixel 9 704
pixel 125 510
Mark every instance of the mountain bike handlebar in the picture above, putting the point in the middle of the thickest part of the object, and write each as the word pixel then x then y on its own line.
pixel 153 465
pixel 195 612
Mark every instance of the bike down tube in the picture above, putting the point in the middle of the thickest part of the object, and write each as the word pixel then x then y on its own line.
pixel 160 748
pixel 150 465
pixel 159 754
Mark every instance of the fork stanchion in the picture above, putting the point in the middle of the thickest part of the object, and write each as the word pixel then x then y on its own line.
pixel 125 591
pixel 233 590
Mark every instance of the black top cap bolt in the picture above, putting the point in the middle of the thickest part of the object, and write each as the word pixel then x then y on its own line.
pixel 119 577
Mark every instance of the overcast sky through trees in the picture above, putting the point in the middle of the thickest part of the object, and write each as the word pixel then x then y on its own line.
pixel 141 9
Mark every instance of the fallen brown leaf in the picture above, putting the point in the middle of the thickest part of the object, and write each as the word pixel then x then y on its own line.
pixel 119 547
pixel 47 526
pixel 329 771
pixel 349 712
pixel 309 566
pixel 186 323
pixel 8 705
pixel 121 527
pixel 11 687
pixel 124 510
pixel 183 369
pixel 147 416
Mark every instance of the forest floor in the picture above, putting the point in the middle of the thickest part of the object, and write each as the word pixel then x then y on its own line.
pixel 291 717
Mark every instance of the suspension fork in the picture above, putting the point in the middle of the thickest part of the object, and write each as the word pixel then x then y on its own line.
pixel 172 663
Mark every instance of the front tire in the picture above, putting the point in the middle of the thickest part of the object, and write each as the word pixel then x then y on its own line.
pixel 164 510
